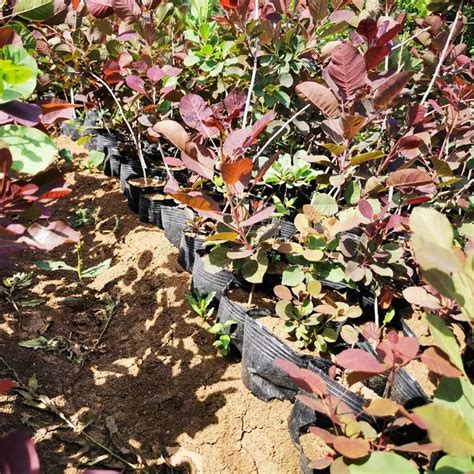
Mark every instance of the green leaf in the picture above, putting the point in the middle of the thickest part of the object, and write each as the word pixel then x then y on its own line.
pixel 445 340
pixel 454 465
pixel 92 272
pixel 37 343
pixel 66 155
pixel 18 71
pixel 325 204
pixel 379 462
pixel 447 428
pixel 457 394
pixel 31 149
pixel 432 226
pixel 35 10
pixel 52 266
pixel 369 156
pixel 96 158
pixel 255 267
pixel 292 276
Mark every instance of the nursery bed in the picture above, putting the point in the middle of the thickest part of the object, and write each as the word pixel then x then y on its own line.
pixel 154 381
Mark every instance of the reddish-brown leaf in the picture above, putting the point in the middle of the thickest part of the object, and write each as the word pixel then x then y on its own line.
pixel 100 8
pixel 282 292
pixel 318 10
pixel 390 89
pixel 351 448
pixel 320 96
pixel 375 55
pixel 438 363
pixel 351 125
pixel 357 360
pixel 197 200
pixel 174 132
pixel 6 385
pixel 425 448
pixel 325 435
pixel 409 177
pixel 236 171
pixel 347 69
pixel 306 379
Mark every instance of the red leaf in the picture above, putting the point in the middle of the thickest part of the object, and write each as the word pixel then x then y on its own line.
pixel 195 112
pixel 55 193
pixel 136 83
pixel 18 454
pixel 409 177
pixel 235 143
pixel 357 360
pixel 325 435
pixel 438 363
pixel 259 216
pixel 56 109
pixel 127 10
pixel 347 70
pixel 6 385
pixel 197 200
pixel 367 28
pixel 390 89
pixel 48 237
pixel 229 4
pixel 365 208
pixel 100 8
pixel 259 126
pixel 174 132
pixel 236 171
pixel 155 74
pixel 320 96
pixel 375 55
pixel 315 405
pixel 305 379
pixel 389 35
pixel 351 448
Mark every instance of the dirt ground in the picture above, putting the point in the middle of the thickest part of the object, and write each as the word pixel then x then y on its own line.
pixel 142 380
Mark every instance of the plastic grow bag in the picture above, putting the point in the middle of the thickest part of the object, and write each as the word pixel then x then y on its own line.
pixel 259 373
pixel 188 247
pixel 206 282
pixel 175 221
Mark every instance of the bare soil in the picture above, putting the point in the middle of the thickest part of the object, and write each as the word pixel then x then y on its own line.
pixel 143 381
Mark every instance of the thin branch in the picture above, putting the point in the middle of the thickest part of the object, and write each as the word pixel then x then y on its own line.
pixel 280 130
pixel 254 71
pixel 127 123
pixel 403 43
pixel 443 55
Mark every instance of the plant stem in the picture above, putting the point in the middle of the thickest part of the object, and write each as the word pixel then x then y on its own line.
pixel 254 71
pixel 280 130
pixel 127 123
pixel 443 55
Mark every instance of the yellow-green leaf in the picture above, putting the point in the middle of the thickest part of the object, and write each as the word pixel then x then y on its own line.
pixel 369 156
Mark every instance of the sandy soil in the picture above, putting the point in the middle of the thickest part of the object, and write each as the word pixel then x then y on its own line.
pixel 152 384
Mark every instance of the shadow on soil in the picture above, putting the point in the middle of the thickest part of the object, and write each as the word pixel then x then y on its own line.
pixel 154 374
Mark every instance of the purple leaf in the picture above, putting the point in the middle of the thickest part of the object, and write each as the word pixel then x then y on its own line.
pixel 20 113
pixel 155 74
pixel 127 10
pixel 18 454
pixel 136 83
pixel 99 8
pixel 347 70
pixel 195 112
pixel 259 216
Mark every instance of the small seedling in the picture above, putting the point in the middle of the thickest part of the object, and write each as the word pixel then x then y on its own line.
pixel 78 270
pixel 12 288
pixel 81 217
pixel 223 337
pixel 200 304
